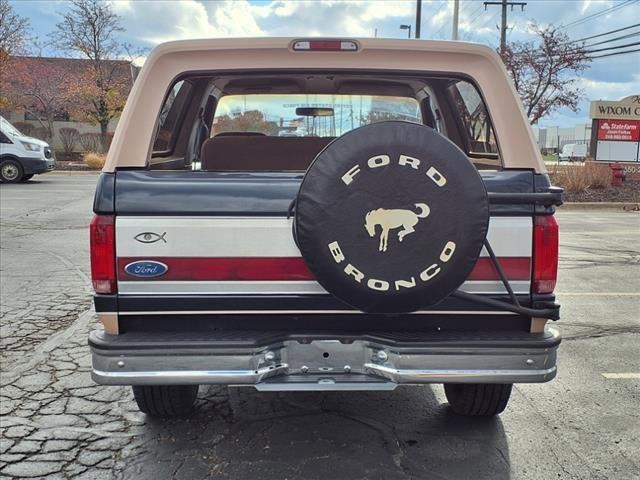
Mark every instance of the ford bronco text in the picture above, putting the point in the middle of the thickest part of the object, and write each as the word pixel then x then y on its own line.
pixel 339 214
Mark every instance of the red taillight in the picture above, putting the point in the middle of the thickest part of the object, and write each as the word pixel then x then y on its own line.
pixel 545 254
pixel 103 253
pixel 325 46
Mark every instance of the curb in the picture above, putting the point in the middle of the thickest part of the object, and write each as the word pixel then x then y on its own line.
pixel 629 206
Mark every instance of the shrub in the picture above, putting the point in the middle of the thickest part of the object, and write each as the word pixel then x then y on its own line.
pixel 94 160
pixel 599 174
pixel 42 133
pixel 25 128
pixel 69 138
pixel 578 178
pixel 91 142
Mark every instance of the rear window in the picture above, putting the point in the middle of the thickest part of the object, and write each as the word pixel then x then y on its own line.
pixel 230 124
pixel 475 123
pixel 170 117
pixel 309 115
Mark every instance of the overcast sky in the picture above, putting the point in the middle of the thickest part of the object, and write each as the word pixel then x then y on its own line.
pixel 148 23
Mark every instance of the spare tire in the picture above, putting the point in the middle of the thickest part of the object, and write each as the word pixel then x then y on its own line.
pixel 391 217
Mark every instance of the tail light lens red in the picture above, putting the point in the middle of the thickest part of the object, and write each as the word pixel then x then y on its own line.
pixel 103 253
pixel 545 254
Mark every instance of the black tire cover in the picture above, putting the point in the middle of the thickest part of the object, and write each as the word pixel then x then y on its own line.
pixel 410 179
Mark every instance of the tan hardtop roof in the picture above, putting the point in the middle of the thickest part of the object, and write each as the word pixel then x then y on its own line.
pixel 131 146
pixel 259 43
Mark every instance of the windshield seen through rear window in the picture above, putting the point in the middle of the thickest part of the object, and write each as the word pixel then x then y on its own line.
pixel 309 115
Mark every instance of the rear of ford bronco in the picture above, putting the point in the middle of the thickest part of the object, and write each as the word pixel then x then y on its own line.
pixel 324 215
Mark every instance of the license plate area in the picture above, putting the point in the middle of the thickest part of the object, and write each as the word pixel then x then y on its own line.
pixel 325 357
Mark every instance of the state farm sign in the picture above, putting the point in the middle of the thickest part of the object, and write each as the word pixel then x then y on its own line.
pixel 619 130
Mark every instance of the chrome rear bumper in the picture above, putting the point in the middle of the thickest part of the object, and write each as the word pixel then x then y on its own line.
pixel 312 362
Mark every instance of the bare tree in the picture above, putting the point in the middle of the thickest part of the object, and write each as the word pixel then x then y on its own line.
pixel 90 28
pixel 40 87
pixel 14 33
pixel 545 71
pixel 14 30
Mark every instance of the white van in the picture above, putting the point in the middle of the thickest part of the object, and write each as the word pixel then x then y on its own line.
pixel 22 157
pixel 572 152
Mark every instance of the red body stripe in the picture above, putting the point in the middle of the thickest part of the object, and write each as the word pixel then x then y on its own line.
pixel 286 268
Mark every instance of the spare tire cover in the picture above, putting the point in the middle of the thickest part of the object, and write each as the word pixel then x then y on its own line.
pixel 391 217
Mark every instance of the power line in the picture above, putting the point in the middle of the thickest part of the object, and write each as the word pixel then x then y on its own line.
pixel 587 52
pixel 475 16
pixel 613 48
pixel 600 13
pixel 490 19
pixel 444 23
pixel 629 35
pixel 605 33
pixel 615 53
pixel 586 47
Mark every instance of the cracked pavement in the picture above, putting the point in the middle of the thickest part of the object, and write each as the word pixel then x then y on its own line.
pixel 55 423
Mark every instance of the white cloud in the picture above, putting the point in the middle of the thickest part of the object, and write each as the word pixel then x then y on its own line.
pixel 379 10
pixel 158 21
pixel 601 90
pixel 279 8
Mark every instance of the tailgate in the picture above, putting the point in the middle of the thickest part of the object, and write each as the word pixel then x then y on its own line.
pixel 225 245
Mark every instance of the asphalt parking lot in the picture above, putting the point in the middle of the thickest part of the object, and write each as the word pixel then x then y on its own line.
pixel 57 424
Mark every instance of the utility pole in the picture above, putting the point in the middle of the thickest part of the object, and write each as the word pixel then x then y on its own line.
pixel 503 26
pixel 418 17
pixel 456 11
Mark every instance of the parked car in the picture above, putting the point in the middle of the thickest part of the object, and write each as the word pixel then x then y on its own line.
pixel 22 157
pixel 573 152
pixel 409 238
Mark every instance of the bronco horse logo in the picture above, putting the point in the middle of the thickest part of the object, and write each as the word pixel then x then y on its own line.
pixel 396 218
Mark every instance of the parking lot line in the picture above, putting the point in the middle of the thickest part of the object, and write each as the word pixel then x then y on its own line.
pixel 599 294
pixel 608 232
pixel 41 190
pixel 621 376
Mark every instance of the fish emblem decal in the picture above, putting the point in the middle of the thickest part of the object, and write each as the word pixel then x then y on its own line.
pixel 150 237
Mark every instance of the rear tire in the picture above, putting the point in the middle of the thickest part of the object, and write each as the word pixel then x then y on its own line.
pixel 165 401
pixel 11 171
pixel 477 399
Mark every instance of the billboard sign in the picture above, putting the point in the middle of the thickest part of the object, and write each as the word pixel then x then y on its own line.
pixel 626 109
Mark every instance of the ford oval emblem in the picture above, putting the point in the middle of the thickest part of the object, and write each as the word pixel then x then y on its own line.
pixel 146 268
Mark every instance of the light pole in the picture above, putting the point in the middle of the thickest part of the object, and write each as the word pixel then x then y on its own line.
pixel 456 11
pixel 418 17
pixel 406 27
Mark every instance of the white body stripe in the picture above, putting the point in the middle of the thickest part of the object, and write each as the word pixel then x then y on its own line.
pixel 266 237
